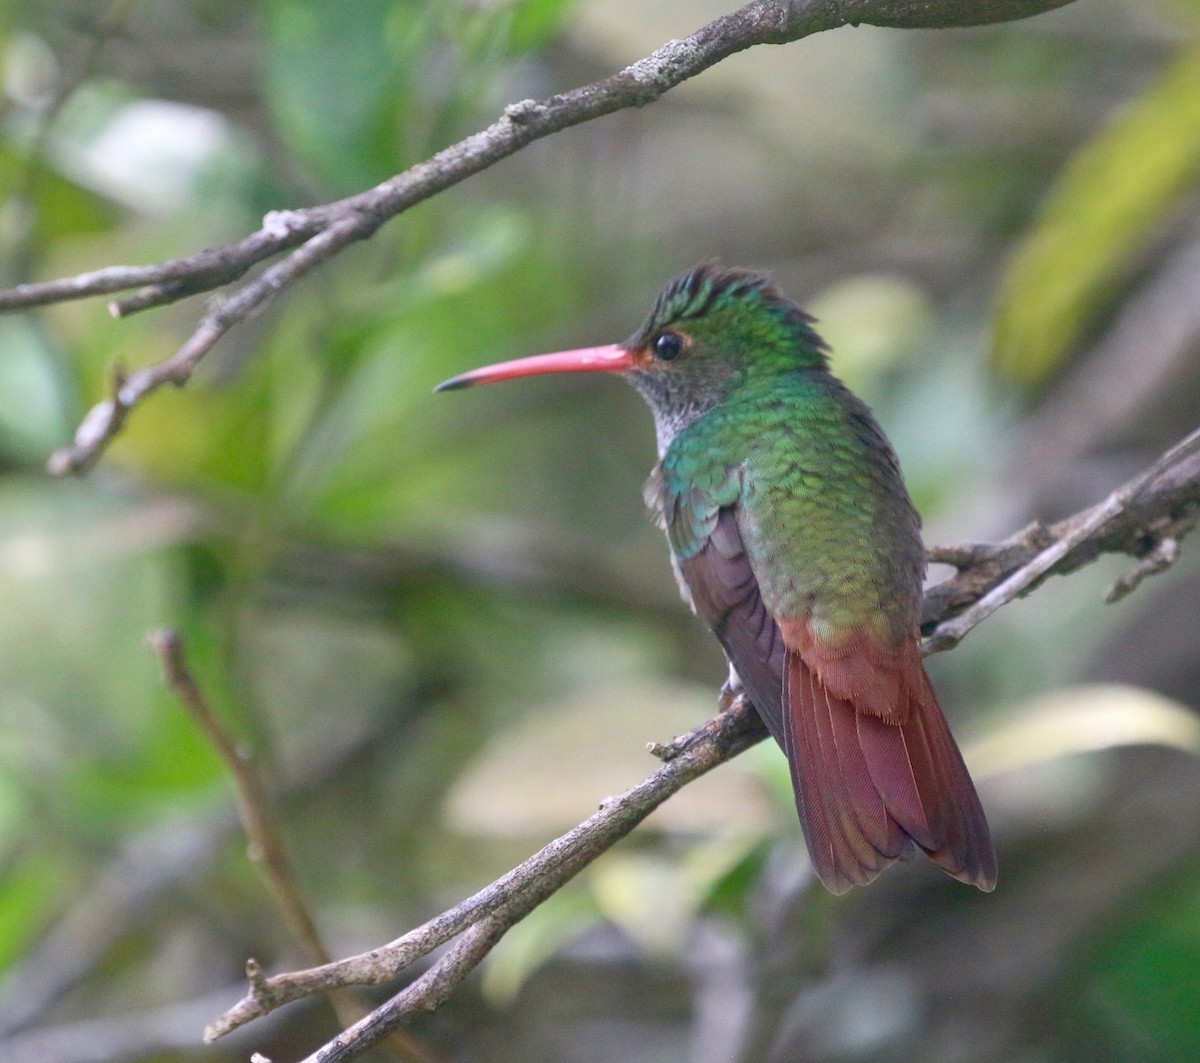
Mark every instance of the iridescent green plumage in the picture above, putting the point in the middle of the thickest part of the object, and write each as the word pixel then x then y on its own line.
pixel 825 517
pixel 793 537
pixel 823 512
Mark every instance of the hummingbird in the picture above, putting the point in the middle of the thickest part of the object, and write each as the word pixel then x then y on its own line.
pixel 793 537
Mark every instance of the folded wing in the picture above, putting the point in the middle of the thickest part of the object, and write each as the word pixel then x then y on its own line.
pixel 875 769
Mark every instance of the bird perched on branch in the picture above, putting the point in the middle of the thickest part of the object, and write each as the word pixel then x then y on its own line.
pixel 793 537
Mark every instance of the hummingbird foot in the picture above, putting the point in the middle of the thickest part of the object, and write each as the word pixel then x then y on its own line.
pixel 731 690
pixel 732 701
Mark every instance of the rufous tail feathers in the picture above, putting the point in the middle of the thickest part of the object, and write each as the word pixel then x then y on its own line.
pixel 875 767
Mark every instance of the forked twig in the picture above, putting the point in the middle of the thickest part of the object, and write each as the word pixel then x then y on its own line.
pixel 266 847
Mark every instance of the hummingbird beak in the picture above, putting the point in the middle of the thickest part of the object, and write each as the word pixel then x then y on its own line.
pixel 611 359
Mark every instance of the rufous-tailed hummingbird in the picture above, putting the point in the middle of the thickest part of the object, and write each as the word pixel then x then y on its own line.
pixel 793 537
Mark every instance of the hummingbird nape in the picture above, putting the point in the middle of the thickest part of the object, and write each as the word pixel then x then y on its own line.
pixel 794 539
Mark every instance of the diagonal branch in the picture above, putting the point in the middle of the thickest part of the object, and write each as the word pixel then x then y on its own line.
pixel 1145 517
pixel 314 235
pixel 1160 504
pixel 264 836
pixel 512 896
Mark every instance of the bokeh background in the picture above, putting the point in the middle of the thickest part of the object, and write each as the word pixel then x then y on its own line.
pixel 444 622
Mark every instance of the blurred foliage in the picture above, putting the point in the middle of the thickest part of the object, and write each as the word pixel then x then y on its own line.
pixel 445 624
pixel 361 89
pixel 1120 192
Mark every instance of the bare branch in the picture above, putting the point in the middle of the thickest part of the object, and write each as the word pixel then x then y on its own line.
pixel 428 992
pixel 314 235
pixel 1159 504
pixel 105 419
pixel 515 894
pixel 266 846
pixel 1166 494
pixel 1161 558
pixel 936 14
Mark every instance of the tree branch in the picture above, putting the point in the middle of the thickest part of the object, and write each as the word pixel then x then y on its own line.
pixel 316 234
pixel 266 847
pixel 265 839
pixel 1162 503
pixel 1145 518
pixel 511 897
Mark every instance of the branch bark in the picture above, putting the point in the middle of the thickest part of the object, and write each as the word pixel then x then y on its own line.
pixel 1161 504
pixel 1145 518
pixel 511 897
pixel 264 834
pixel 314 235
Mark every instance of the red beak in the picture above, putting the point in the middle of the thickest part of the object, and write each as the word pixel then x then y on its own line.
pixel 611 359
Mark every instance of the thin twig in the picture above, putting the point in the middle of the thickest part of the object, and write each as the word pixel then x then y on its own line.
pixel 522 889
pixel 1169 490
pixel 314 235
pixel 266 847
pixel 105 419
pixel 1014 567
pixel 1164 554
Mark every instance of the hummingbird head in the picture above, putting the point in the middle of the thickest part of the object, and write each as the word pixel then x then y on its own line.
pixel 711 331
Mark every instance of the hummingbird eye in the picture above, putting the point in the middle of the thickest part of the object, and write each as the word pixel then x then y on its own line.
pixel 668 346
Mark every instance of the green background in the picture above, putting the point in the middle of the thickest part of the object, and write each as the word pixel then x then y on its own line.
pixel 444 623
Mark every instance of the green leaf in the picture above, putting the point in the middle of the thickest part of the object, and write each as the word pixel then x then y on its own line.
pixel 29 894
pixel 1137 997
pixel 724 873
pixel 535 24
pixel 338 77
pixel 1107 205
pixel 213 437
pixel 63 208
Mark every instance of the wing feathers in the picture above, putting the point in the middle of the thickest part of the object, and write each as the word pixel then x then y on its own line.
pixel 725 594
pixel 874 766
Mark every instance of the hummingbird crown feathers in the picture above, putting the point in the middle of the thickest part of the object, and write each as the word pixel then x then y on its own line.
pixel 712 291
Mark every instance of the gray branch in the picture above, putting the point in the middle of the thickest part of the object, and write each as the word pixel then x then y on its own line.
pixel 1145 518
pixel 1142 521
pixel 511 897
pixel 1160 504
pixel 312 236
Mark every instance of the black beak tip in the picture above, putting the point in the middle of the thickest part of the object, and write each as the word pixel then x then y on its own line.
pixel 455 383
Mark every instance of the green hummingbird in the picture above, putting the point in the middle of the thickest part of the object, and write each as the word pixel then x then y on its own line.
pixel 793 537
